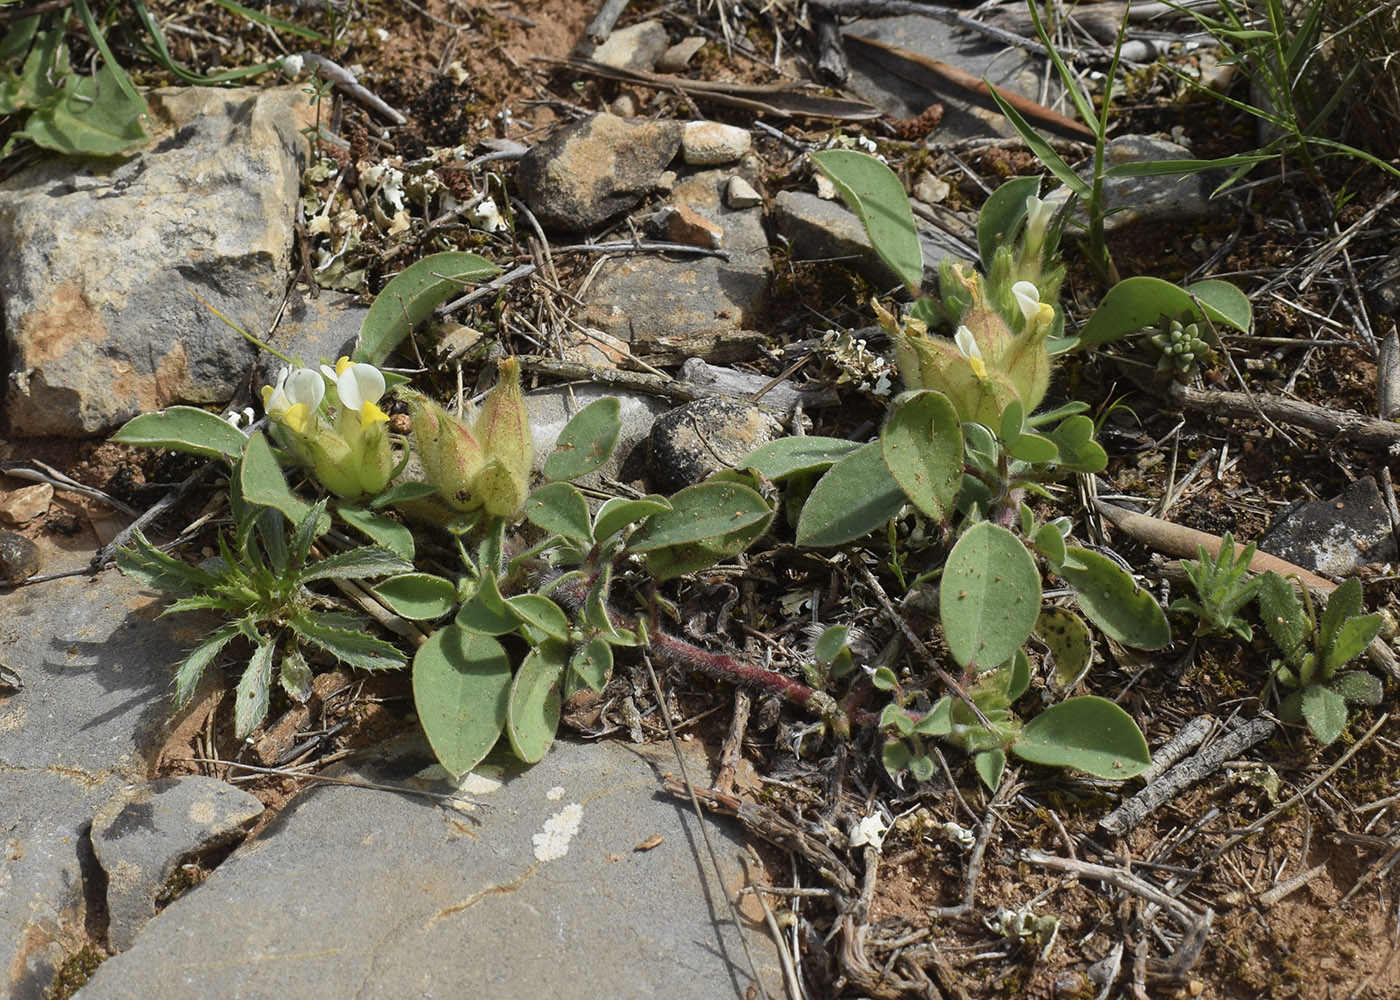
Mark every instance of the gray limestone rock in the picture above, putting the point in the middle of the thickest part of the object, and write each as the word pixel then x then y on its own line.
pixel 1133 200
pixel 315 329
pixel 540 891
pixel 104 258
pixel 144 832
pixel 591 170
pixel 817 229
pixel 670 309
pixel 96 664
pixel 696 440
pixel 1334 536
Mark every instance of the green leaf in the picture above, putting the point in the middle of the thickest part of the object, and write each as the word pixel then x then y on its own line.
pixel 1325 713
pixel 1357 687
pixel 1036 449
pixel 412 295
pixel 701 513
pixel 461 690
pixel 381 529
pixel 1141 301
pixel 91 117
pixel 989 597
pixel 990 764
pixel 1050 544
pixel 347 645
pixel 939 721
pixel 1114 602
pixel 187 678
pixel 921 767
pixel 921 445
pixel 1043 151
pixel 593 663
pixel 1284 617
pixel 184 428
pixel 677 560
pixel 1070 643
pixel 147 564
pixel 261 480
pixel 831 643
pixel 486 613
pixel 560 509
pixel 419 596
pixel 1019 680
pixel 541 612
pixel 1001 217
pixel 896 756
pixel 251 696
pixel 1089 734
pixel 356 564
pixel 790 456
pixel 1076 447
pixel 402 492
pixel 856 496
pixel 617 513
pixel 532 714
pixel 877 196
pixel 1342 631
pixel 586 441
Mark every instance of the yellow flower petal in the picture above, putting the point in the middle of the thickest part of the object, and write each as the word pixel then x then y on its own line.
pixel 295 417
pixel 371 414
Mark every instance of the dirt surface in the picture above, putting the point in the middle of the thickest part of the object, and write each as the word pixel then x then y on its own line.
pixel 465 74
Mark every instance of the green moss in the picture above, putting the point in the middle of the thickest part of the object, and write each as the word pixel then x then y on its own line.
pixel 75 972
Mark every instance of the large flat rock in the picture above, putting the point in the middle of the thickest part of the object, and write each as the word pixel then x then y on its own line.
pixel 539 892
pixel 95 667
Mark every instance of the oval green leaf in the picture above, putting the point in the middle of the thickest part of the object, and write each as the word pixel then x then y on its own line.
pixel 541 612
pixel 1114 602
pixel 184 428
pixel 586 441
pixel 856 496
pixel 382 529
pixel 412 294
pixel 560 509
pixel 921 445
pixel 1141 301
pixel 1001 216
pixel 419 596
pixel 1089 734
pixel 593 663
pixel 618 512
pixel 1070 642
pixel 461 689
pixel 989 598
pixel 788 456
pixel 532 715
pixel 877 196
pixel 702 513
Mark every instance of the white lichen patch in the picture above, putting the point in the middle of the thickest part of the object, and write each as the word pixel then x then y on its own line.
pixel 552 842
pixel 555 794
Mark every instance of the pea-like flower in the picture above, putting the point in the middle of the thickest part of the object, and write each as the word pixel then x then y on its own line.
pixel 359 387
pixel 1038 216
pixel 1038 315
pixel 295 399
pixel 967 344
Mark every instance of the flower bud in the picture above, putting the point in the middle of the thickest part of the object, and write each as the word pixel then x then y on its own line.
pixel 451 454
pixel 504 430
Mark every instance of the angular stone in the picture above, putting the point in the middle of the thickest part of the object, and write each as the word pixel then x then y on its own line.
pixel 828 231
pixel 741 194
pixel 144 832
pixel 685 225
pixel 314 329
pixel 636 46
pixel 678 56
pixel 104 259
pixel 696 440
pixel 1334 536
pixel 25 504
pixel 358 892
pixel 591 170
pixel 670 309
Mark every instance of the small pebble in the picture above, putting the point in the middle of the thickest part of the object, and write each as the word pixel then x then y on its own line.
pixel 685 225
pixel 707 144
pixel 740 194
pixel 678 56
pixel 19 557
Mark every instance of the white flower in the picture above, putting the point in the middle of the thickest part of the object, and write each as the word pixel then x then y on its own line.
pixel 1038 216
pixel 968 346
pixel 360 387
pixel 1039 315
pixel 292 66
pixel 295 399
pixel 870 830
